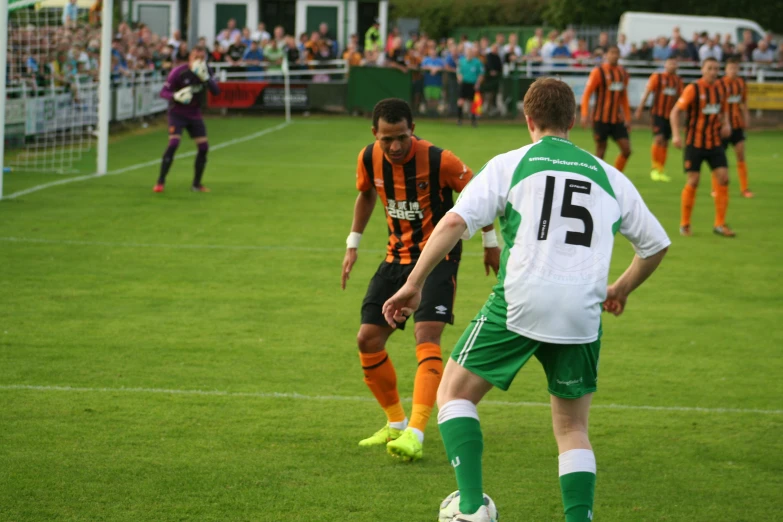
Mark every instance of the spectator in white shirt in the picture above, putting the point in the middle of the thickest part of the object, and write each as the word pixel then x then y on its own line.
pixel 762 53
pixel 549 46
pixel 512 47
pixel 569 37
pixel 261 34
pixel 176 39
pixel 228 35
pixel 623 46
pixel 710 50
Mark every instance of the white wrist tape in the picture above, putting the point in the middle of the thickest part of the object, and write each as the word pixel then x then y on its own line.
pixel 489 239
pixel 353 240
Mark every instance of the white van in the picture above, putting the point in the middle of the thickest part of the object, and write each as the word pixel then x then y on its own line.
pixel 639 27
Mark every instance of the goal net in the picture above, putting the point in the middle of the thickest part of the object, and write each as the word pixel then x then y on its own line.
pixel 52 88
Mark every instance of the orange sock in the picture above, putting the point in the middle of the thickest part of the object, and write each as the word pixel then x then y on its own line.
pixel 714 184
pixel 686 207
pixel 620 162
pixel 663 152
pixel 721 204
pixel 425 387
pixel 380 377
pixel 656 157
pixel 742 170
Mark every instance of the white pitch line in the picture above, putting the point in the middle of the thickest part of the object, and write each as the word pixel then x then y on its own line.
pixel 185 246
pixel 145 164
pixel 349 398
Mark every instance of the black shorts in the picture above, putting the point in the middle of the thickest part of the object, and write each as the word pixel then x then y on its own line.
pixel 737 136
pixel 437 296
pixel 715 158
pixel 662 126
pixel 604 131
pixel 194 126
pixel 467 91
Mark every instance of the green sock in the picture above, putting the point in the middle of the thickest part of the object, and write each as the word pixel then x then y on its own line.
pixel 578 490
pixel 464 446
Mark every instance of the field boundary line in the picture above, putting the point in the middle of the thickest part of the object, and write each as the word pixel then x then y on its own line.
pixel 350 398
pixel 195 246
pixel 150 163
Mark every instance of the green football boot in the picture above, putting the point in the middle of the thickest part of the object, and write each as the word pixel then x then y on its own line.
pixel 381 437
pixel 406 447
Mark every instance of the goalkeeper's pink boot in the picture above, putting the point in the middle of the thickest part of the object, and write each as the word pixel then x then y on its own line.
pixel 158 188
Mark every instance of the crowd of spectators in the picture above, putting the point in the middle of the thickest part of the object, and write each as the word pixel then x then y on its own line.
pixel 67 50
pixel 764 53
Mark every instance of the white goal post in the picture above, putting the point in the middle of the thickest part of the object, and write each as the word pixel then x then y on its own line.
pixel 58 124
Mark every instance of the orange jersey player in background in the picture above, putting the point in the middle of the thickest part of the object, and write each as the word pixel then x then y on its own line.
pixel 740 117
pixel 612 111
pixel 415 181
pixel 704 101
pixel 666 87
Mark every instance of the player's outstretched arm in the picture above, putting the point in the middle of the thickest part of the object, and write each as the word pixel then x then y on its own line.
pixel 443 239
pixel 674 119
pixel 636 274
pixel 362 210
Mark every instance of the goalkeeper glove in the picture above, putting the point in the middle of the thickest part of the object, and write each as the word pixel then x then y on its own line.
pixel 200 69
pixel 184 95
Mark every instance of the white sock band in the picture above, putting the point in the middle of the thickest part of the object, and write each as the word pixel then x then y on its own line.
pixel 457 408
pixel 577 460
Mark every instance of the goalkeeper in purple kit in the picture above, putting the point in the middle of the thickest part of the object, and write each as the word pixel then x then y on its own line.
pixel 185 91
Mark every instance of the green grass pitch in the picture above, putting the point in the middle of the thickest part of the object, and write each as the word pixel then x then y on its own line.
pixel 112 295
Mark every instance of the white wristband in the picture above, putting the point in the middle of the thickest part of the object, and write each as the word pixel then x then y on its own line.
pixel 489 239
pixel 353 240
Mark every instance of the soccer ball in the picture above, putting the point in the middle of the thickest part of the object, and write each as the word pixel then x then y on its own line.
pixel 450 507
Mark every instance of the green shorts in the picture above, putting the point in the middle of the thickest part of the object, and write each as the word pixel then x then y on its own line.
pixel 432 92
pixel 495 354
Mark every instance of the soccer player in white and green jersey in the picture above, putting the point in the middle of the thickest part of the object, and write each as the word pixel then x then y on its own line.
pixel 560 208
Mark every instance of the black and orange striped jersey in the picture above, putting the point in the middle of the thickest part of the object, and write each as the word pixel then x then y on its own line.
pixel 415 195
pixel 705 104
pixel 609 83
pixel 666 88
pixel 737 97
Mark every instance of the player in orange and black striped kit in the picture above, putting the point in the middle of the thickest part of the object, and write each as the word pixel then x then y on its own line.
pixel 666 88
pixel 704 101
pixel 415 181
pixel 612 112
pixel 740 116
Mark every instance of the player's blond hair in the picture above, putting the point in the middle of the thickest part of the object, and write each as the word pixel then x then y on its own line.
pixel 551 104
